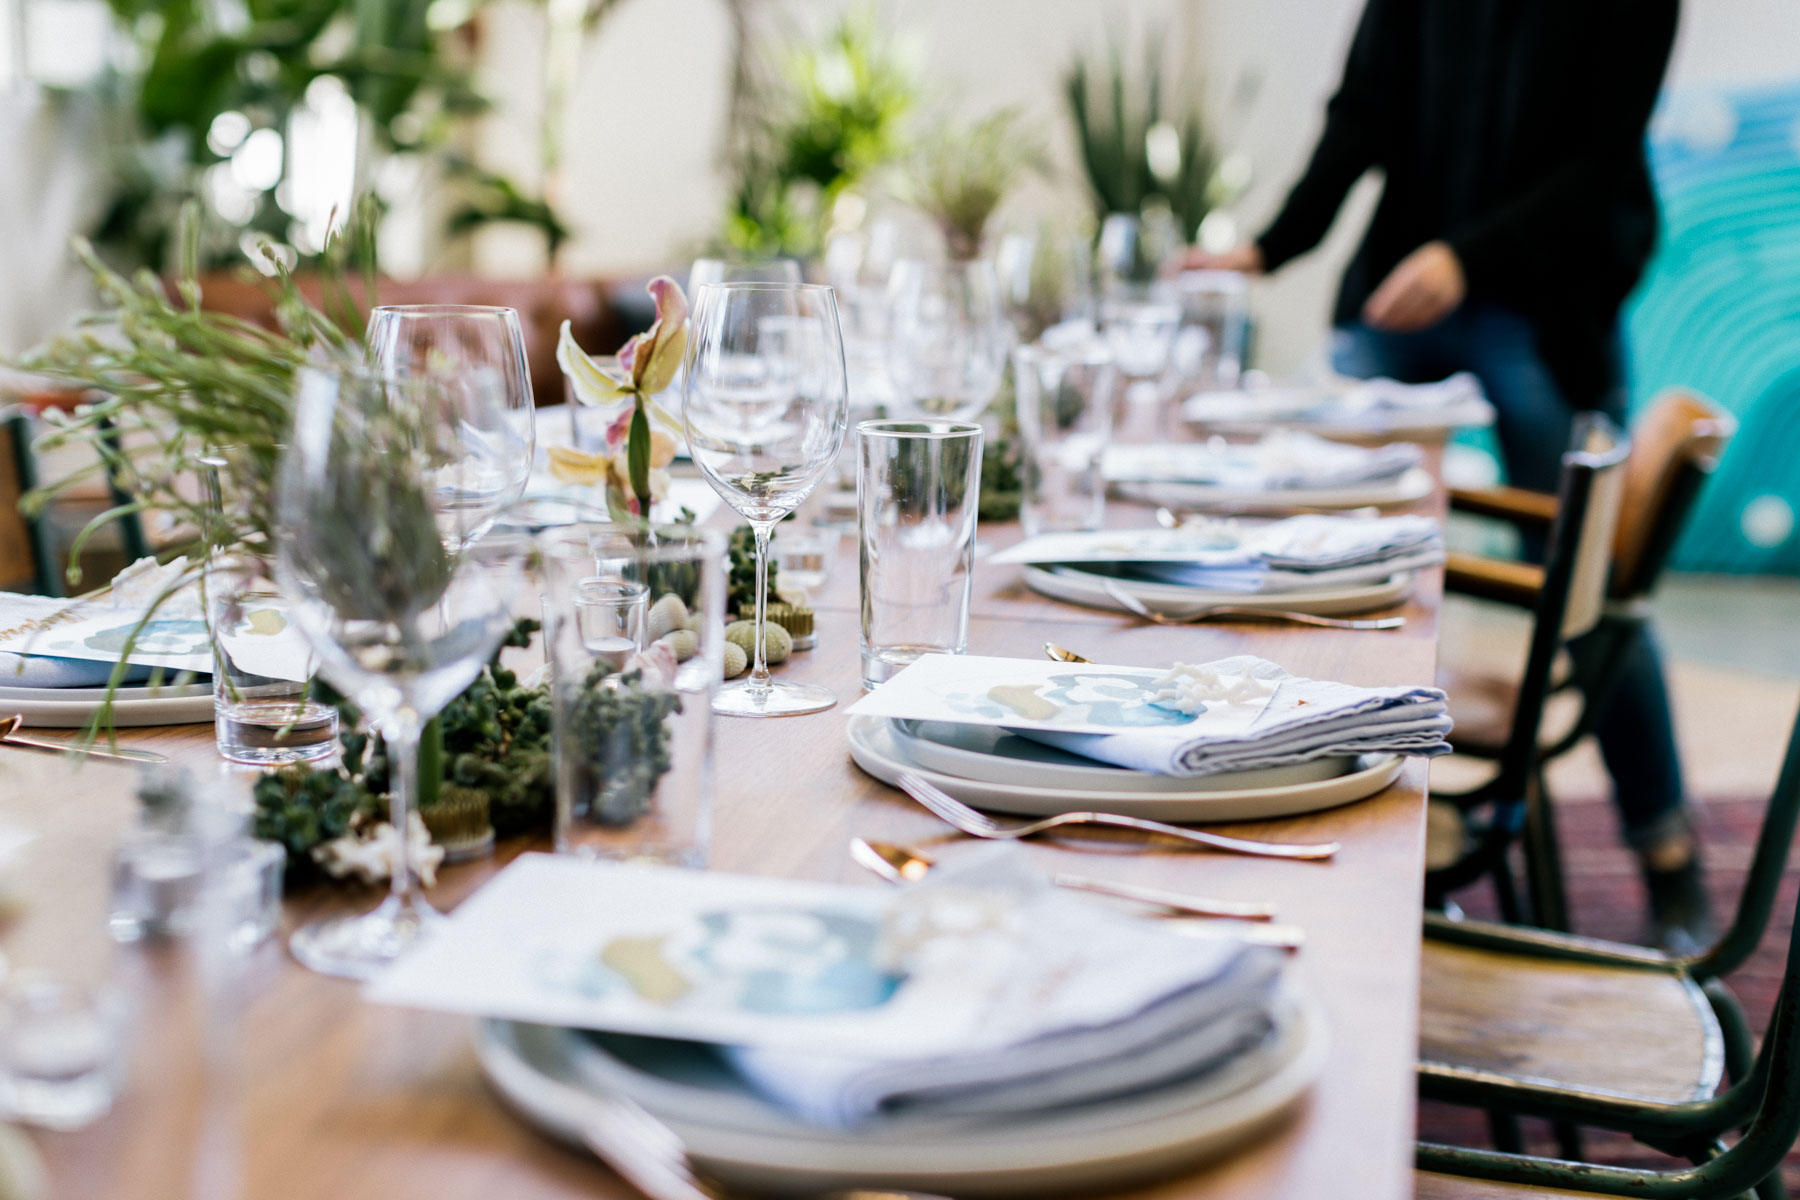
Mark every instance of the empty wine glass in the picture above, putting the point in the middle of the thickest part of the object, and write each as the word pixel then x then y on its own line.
pixel 765 402
pixel 477 346
pixel 398 594
pixel 741 270
pixel 948 337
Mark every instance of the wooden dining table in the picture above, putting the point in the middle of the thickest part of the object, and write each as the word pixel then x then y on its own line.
pixel 256 1078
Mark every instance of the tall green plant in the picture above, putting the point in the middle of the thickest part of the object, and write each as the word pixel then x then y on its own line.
pixel 1139 145
pixel 961 171
pixel 832 117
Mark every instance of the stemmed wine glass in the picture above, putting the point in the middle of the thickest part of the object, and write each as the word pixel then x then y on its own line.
pixel 765 403
pixel 948 337
pixel 469 346
pixel 741 270
pixel 401 592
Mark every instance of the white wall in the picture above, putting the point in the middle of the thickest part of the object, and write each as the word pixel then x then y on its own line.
pixel 647 113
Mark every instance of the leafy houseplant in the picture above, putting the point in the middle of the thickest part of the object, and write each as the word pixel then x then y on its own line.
pixel 828 119
pixel 1141 149
pixel 961 171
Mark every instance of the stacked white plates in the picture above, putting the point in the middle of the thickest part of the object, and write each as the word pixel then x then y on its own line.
pixel 551 1076
pixel 993 769
pixel 1415 483
pixel 72 708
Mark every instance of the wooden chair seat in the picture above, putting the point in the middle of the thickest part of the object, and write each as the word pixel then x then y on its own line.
pixel 1642 1032
pixel 1429 1185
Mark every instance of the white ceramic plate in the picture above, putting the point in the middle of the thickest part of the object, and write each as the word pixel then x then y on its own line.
pixel 991 755
pixel 1311 410
pixel 1411 485
pixel 1079 585
pixel 549 1076
pixel 874 749
pixel 72 708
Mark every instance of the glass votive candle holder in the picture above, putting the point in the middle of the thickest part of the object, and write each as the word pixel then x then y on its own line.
pixel 62 1050
pixel 612 618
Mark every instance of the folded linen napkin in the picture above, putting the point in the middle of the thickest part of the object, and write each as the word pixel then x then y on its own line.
pixel 1459 390
pixel 1303 719
pixel 1310 552
pixel 1282 460
pixel 39 671
pixel 989 919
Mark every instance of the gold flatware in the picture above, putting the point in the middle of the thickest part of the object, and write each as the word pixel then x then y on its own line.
pixel 1240 612
pixel 650 1156
pixel 10 736
pixel 1059 654
pixel 954 812
pixel 901 864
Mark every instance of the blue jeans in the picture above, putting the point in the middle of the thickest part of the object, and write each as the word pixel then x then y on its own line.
pixel 1534 422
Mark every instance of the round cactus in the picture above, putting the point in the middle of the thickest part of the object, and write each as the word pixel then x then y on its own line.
pixel 666 616
pixel 777 642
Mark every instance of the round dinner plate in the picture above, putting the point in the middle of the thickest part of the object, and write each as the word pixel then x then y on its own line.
pixel 1413 484
pixel 550 1075
pixel 993 755
pixel 1081 585
pixel 134 705
pixel 874 748
pixel 1313 411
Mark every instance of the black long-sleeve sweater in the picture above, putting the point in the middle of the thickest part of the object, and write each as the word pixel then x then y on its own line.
pixel 1514 131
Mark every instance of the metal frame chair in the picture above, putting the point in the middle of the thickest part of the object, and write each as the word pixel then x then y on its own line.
pixel 1676 445
pixel 1568 604
pixel 1765 1086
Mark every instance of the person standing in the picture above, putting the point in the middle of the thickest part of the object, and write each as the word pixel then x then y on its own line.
pixel 1517 213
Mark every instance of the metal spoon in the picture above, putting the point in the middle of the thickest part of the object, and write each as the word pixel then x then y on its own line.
pixel 902 864
pixel 10 736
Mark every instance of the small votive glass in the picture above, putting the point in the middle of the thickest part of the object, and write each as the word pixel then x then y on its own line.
pixel 611 618
pixel 1065 411
pixel 633 727
pixel 918 488
pixel 62 1050
pixel 186 868
pixel 263 710
pixel 803 555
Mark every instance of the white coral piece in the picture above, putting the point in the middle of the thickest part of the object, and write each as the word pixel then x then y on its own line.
pixel 1188 688
pixel 370 853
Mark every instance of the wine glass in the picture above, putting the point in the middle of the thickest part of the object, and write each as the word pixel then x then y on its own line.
pixel 401 593
pixel 766 404
pixel 741 270
pixel 948 337
pixel 472 346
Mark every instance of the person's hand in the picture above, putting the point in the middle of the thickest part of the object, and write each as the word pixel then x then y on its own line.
pixel 1246 258
pixel 1422 290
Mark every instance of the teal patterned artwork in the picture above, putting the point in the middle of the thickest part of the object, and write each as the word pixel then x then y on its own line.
pixel 1719 312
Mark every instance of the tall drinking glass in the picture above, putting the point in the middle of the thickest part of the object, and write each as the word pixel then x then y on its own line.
pixel 948 337
pixel 918 488
pixel 401 592
pixel 1209 352
pixel 634 730
pixel 765 403
pixel 1065 401
pixel 472 346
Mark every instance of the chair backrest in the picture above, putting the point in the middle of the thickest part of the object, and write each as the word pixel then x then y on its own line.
pixel 1575 574
pixel 1674 446
pixel 1594 467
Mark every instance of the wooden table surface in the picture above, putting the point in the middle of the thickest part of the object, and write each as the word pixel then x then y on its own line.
pixel 277 1084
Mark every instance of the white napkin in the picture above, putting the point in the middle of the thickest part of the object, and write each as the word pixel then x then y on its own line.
pixel 38 671
pixel 1305 719
pixel 1461 390
pixel 1312 552
pixel 1282 460
pixel 1136 1006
